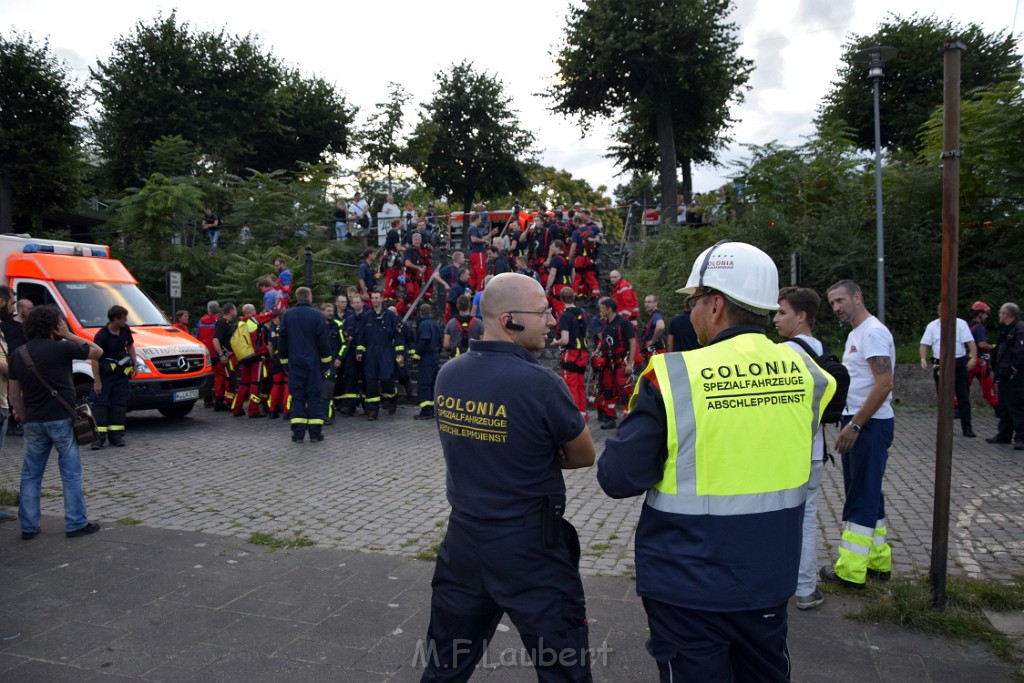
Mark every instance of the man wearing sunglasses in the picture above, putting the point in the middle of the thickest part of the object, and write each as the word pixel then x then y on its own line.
pixel 508 548
pixel 720 438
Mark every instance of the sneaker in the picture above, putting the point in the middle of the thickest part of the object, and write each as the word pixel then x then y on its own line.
pixel 809 601
pixel 828 575
pixel 610 423
pixel 97 445
pixel 89 528
pixel 969 433
pixel 996 439
pixel 29 535
pixel 875 575
pixel 423 416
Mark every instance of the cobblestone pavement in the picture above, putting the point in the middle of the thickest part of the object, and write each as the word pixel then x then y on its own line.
pixel 380 487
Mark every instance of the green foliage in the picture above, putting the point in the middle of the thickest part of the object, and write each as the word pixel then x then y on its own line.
pixel 469 142
pixel 236 103
pixel 912 85
pixel 381 142
pixel 39 155
pixel 667 72
pixel 991 189
pixel 173 155
pixel 817 200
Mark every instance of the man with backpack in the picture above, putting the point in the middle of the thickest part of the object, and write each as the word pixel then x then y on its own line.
pixel 572 337
pixel 798 308
pixel 249 346
pixel 224 397
pixel 461 328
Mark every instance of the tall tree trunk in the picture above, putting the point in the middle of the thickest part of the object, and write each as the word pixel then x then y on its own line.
pixel 686 165
pixel 667 148
pixel 6 212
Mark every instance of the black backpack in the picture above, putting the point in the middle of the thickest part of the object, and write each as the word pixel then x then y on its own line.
pixel 828 362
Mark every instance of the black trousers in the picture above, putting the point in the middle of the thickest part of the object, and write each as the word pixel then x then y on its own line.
pixel 1011 408
pixel 961 389
pixel 486 568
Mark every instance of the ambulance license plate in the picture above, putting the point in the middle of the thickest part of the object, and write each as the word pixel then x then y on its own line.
pixel 187 395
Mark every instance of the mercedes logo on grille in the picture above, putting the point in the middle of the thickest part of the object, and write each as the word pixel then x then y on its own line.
pixel 183 363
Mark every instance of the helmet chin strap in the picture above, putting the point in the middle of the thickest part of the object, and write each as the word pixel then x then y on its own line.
pixel 707 260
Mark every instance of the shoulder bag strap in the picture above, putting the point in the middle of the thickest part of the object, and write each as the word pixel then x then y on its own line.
pixel 27 358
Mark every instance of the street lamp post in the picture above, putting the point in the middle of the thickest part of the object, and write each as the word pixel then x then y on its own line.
pixel 875 57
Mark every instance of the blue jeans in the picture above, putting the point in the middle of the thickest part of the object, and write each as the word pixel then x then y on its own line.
pixel 40 439
pixel 340 230
pixel 214 238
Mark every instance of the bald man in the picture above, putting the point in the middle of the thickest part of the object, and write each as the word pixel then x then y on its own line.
pixel 508 549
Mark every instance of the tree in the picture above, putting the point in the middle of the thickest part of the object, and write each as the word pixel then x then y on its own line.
pixel 912 85
pixel 237 104
pixel 468 142
pixel 666 71
pixel 40 163
pixel 381 142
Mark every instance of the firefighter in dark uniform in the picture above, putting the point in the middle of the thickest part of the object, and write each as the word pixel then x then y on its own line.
pixel 277 401
pixel 572 338
pixel 427 350
pixel 612 362
pixel 376 343
pixel 305 353
pixel 111 377
pixel 352 367
pixel 404 353
pixel 336 342
pixel 508 548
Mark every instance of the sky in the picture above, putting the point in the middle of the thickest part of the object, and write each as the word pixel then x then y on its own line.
pixel 796 48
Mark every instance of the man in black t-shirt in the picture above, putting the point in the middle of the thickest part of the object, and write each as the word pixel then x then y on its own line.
pixel 111 377
pixel 508 547
pixel 51 348
pixel 222 345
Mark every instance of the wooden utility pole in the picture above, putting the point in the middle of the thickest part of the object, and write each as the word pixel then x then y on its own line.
pixel 947 361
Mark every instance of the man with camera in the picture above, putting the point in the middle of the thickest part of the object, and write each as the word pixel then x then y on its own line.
pixel 51 347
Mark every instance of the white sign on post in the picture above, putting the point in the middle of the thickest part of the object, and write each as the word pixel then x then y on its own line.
pixel 174 284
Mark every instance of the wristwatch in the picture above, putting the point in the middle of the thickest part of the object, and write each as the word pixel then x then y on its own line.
pixel 854 426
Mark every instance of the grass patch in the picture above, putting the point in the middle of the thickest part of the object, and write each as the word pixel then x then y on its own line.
pixel 273 542
pixel 600 546
pixel 410 542
pixel 906 602
pixel 8 497
pixel 430 553
pixel 129 521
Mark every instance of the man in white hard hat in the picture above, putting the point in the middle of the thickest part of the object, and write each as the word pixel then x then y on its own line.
pixel 720 439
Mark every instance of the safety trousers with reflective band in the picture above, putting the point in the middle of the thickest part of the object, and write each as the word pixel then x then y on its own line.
pixel 742 385
pixel 861 549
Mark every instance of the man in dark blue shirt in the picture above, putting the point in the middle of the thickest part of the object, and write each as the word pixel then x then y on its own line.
pixel 508 548
pixel 428 351
pixel 111 377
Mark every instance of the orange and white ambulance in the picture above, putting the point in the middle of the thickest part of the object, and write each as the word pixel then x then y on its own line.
pixel 174 368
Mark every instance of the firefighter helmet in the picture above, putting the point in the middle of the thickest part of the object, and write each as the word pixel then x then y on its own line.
pixel 981 306
pixel 743 273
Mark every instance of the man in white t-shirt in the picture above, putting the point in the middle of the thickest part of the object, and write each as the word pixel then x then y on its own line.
pixel 798 309
pixel 966 355
pixel 868 428
pixel 388 211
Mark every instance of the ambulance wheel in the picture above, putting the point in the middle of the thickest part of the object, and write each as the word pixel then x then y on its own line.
pixel 178 409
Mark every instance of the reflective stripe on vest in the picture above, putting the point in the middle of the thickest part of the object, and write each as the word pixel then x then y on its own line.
pixel 740 385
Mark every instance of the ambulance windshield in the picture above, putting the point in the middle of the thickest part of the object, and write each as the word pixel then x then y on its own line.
pixel 90 301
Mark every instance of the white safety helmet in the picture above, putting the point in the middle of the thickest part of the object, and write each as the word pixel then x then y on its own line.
pixel 743 273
